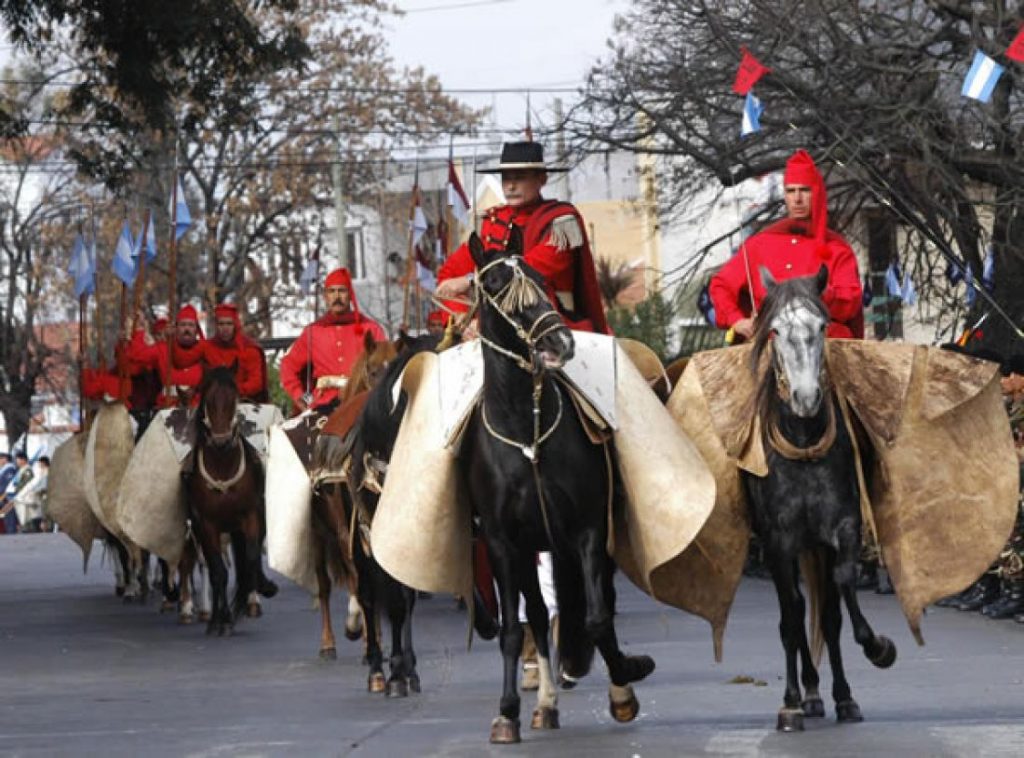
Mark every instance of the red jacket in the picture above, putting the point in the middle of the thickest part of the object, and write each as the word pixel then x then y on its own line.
pixel 186 372
pixel 251 377
pixel 332 348
pixel 787 252
pixel 555 245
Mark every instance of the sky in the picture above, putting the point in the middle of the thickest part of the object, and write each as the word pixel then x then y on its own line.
pixel 504 44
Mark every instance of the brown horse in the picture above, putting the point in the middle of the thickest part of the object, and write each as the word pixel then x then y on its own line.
pixel 331 524
pixel 224 491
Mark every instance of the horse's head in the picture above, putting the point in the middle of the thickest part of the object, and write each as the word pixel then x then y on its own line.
pixel 793 318
pixel 515 307
pixel 219 403
pixel 370 366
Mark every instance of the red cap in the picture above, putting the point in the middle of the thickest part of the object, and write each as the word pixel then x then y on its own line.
pixel 187 313
pixel 159 325
pixel 437 318
pixel 800 169
pixel 226 310
pixel 340 277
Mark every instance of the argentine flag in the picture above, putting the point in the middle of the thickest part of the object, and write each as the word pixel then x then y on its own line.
pixel 982 78
pixel 150 234
pixel 123 266
pixel 83 268
pixel 752 110
pixel 179 212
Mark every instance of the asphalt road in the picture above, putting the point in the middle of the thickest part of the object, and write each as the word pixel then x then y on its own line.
pixel 83 674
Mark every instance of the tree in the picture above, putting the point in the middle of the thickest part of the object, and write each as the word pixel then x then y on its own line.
pixel 35 205
pixel 872 89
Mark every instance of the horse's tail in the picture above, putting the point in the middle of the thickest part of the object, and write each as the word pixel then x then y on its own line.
pixel 812 566
pixel 575 647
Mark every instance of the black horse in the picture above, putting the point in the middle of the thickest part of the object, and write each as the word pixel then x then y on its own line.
pixel 538 483
pixel 369 446
pixel 807 509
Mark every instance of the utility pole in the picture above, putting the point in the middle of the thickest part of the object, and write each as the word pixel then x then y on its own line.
pixel 566 194
pixel 339 203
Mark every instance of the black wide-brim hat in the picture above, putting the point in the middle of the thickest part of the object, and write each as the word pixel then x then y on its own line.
pixel 522 156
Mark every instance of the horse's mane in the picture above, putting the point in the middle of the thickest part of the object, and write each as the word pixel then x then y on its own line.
pixel 359 376
pixel 215 375
pixel 802 289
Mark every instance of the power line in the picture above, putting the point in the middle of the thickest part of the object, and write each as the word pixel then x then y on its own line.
pixel 454 6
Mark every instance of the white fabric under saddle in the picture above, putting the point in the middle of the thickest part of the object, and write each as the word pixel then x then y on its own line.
pixel 592 371
pixel 254 421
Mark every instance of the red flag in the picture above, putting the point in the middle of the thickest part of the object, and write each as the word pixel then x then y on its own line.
pixel 457 196
pixel 750 70
pixel 1015 52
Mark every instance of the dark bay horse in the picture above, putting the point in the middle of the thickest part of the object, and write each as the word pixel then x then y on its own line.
pixel 807 509
pixel 369 449
pixel 331 522
pixel 538 484
pixel 224 492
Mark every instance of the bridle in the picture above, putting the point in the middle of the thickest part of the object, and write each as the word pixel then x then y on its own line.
pixel 510 297
pixel 233 435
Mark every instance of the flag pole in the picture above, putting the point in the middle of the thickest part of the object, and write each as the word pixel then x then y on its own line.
pixel 83 302
pixel 119 357
pixel 410 266
pixel 449 218
pixel 172 268
pixel 98 319
pixel 140 279
pixel 472 195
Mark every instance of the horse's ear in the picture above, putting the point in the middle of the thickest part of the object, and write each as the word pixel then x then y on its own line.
pixel 767 279
pixel 515 241
pixel 369 343
pixel 821 279
pixel 476 250
pixel 402 341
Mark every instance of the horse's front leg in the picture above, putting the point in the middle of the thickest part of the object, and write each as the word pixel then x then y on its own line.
pixel 791 630
pixel 328 647
pixel 505 727
pixel 545 716
pixel 186 588
pixel 409 603
pixel 878 649
pixel 367 594
pixel 599 592
pixel 398 685
pixel 209 540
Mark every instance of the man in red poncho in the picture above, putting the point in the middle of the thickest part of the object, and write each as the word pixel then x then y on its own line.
pixel 795 246
pixel 228 344
pixel 554 241
pixel 329 346
pixel 181 379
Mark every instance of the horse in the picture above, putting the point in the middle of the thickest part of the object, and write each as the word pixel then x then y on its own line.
pixel 224 491
pixel 369 449
pixel 806 510
pixel 330 522
pixel 530 471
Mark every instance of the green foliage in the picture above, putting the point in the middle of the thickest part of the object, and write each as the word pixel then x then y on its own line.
pixel 277 394
pixel 649 322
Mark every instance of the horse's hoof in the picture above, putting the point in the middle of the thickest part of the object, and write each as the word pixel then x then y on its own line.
pixel 790 720
pixel 504 731
pixel 397 688
pixel 167 605
pixel 813 707
pixel 204 616
pixel 119 591
pixel 376 683
pixel 129 599
pixel 622 704
pixel 544 718
pixel 848 712
pixel 353 634
pixel 254 610
pixel 186 618
pixel 886 655
pixel 267 588
pixel 328 654
pixel 414 683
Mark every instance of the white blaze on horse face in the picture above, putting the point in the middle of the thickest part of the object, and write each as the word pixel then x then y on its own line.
pixel 799 344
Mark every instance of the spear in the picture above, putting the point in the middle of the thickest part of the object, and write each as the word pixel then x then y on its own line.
pixel 172 272
pixel 410 264
pixel 140 280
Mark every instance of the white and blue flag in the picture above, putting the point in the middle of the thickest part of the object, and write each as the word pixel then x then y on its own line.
pixel 179 212
pixel 82 268
pixel 752 110
pixel 892 282
pixel 150 235
pixel 988 271
pixel 909 291
pixel 123 264
pixel 982 78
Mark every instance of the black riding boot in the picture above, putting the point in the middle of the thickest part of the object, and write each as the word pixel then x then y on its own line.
pixel 867 575
pixel 1010 601
pixel 984 591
